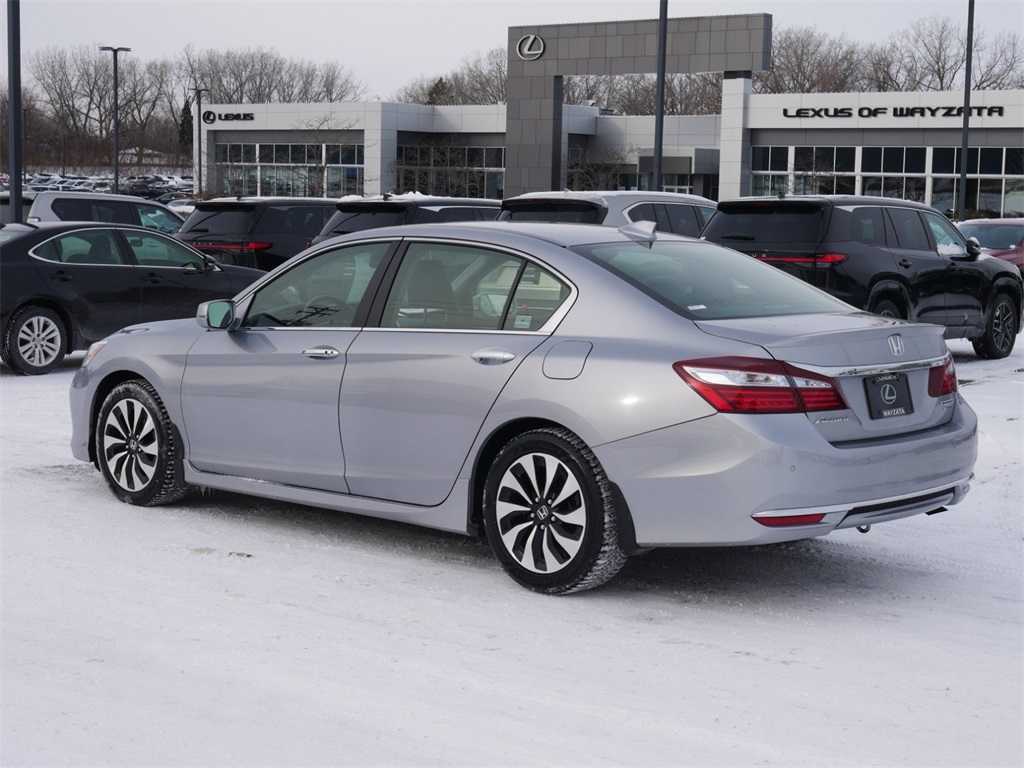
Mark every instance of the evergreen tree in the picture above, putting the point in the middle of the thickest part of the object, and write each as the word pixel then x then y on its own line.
pixel 186 127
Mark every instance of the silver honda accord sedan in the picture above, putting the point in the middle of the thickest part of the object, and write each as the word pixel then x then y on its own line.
pixel 573 393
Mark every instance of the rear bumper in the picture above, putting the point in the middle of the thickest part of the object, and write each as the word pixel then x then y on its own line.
pixel 706 482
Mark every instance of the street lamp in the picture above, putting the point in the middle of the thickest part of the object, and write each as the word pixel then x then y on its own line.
pixel 117 126
pixel 199 140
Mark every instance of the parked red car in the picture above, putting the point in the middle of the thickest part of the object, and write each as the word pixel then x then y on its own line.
pixel 999 238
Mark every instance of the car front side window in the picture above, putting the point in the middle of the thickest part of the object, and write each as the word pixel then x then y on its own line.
pixel 156 251
pixel 947 240
pixel 323 291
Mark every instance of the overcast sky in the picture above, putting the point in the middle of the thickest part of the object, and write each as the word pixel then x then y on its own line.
pixel 388 43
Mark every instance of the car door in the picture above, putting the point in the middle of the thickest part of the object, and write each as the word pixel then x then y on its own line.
pixel 175 279
pixel 87 269
pixel 261 401
pixel 965 287
pixel 926 272
pixel 455 324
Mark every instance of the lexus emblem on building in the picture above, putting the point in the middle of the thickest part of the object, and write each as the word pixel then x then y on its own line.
pixel 209 117
pixel 896 345
pixel 530 47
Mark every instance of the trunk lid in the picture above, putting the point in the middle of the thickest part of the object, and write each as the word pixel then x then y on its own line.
pixel 882 367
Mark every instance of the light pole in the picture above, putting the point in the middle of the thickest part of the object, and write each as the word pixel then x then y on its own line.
pixel 117 127
pixel 199 140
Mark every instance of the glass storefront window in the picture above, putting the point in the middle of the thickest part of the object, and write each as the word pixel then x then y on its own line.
pixel 990 197
pixel 892 186
pixel 991 161
pixel 872 186
pixel 1013 202
pixel 846 158
pixel 944 160
pixel 892 160
pixel 1014 161
pixel 871 159
pixel 915 160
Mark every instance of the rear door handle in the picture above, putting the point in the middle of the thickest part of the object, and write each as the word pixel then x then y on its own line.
pixel 906 263
pixel 62 276
pixel 493 356
pixel 152 278
pixel 321 353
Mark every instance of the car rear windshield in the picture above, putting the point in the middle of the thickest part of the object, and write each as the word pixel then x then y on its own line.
pixel 554 211
pixel 702 281
pixel 221 220
pixel 769 221
pixel 357 218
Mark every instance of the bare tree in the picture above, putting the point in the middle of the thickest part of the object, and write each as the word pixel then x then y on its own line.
pixel 806 60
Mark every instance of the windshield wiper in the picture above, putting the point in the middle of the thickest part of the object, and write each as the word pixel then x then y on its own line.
pixel 737 237
pixel 198 229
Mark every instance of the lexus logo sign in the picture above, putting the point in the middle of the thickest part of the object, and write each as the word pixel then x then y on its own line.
pixel 530 47
pixel 209 117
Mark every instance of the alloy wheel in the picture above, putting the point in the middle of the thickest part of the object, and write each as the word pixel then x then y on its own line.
pixel 541 513
pixel 1003 326
pixel 130 444
pixel 39 341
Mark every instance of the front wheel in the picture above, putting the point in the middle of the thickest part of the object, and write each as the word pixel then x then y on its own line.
pixel 136 447
pixel 1000 331
pixel 35 341
pixel 549 513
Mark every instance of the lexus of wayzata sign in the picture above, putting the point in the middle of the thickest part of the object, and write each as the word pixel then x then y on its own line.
pixel 530 47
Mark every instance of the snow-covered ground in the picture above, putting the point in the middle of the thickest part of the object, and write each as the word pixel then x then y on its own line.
pixel 230 631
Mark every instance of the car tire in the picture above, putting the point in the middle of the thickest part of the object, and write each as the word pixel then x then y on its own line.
pixel 137 448
pixel 1000 331
pixel 35 341
pixel 888 308
pixel 549 513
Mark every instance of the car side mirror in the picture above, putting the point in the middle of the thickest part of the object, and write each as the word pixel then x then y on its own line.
pixel 973 247
pixel 216 315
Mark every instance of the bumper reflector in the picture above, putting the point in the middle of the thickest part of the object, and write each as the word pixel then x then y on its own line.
pixel 777 522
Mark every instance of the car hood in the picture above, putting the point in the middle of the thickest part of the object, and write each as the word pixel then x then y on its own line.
pixel 842 339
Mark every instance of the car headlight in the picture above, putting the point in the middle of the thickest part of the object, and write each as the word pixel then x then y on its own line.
pixel 93 351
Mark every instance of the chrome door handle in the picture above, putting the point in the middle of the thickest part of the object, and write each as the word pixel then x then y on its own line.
pixel 321 353
pixel 493 356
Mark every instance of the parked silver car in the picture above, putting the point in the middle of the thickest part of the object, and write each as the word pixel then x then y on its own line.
pixel 576 393
pixel 671 212
pixel 99 206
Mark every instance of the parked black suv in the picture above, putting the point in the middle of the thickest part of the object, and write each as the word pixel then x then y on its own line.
pixel 890 257
pixel 390 210
pixel 260 232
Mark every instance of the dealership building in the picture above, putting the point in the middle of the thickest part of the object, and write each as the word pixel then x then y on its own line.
pixel 904 145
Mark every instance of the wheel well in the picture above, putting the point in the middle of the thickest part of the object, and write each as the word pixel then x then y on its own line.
pixel 892 294
pixel 485 457
pixel 1014 295
pixel 103 389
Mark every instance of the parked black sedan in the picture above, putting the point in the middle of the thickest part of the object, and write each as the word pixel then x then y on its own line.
pixel 65 285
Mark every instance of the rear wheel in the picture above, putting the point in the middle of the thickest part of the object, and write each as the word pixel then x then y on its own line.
pixel 35 341
pixel 888 308
pixel 136 447
pixel 1000 331
pixel 549 513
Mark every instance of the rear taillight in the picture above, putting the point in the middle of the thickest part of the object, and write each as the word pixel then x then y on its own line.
pixel 821 258
pixel 250 247
pixel 750 385
pixel 942 379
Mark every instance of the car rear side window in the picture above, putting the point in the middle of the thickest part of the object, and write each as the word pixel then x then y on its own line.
pixel 767 221
pixel 909 230
pixel 234 220
pixel 358 219
pixel 96 247
pixel 701 281
pixel 113 211
pixel 683 220
pixel 867 226
pixel 559 212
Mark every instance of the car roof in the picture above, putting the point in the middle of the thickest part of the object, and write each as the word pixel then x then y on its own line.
pixel 43 195
pixel 834 200
pixel 510 233
pixel 599 196
pixel 992 222
pixel 256 200
pixel 415 199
